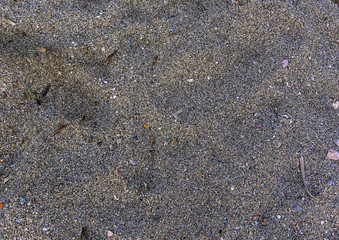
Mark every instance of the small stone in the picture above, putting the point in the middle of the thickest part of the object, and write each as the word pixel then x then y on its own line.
pixel 22 200
pixel 335 105
pixel 190 80
pixel 285 62
pixel 297 208
pixel 336 141
pixel 279 144
pixel 333 154
pixel 18 219
pixel 109 234
pixel 330 182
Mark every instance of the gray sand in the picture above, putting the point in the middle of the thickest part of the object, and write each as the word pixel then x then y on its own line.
pixel 101 148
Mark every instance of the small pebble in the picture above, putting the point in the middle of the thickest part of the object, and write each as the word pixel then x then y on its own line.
pixel 333 154
pixel 285 62
pixel 297 208
pixel 258 126
pixel 279 144
pixel 330 182
pixel 132 162
pixel 135 138
pixel 335 105
pixel 18 219
pixel 22 200
pixel 109 234
pixel 336 141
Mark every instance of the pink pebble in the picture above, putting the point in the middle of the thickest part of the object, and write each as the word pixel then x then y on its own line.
pixel 279 144
pixel 333 154
pixel 109 234
pixel 285 62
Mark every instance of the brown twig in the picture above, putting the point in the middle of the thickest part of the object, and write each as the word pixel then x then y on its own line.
pixel 302 169
pixel 61 127
pixel 46 90
pixel 110 57
pixel 84 233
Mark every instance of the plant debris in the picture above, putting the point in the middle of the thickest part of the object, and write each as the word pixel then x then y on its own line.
pixel 42 94
pixel 5 20
pixel 175 114
pixel 59 129
pixel 302 169
pixel 110 57
pixel 41 50
pixel 155 59
pixel 84 233
pixel 46 90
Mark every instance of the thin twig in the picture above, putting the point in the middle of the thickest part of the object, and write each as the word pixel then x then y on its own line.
pixel 175 114
pixel 84 233
pixel 302 169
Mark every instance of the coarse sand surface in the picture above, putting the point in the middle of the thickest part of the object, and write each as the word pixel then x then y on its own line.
pixel 168 119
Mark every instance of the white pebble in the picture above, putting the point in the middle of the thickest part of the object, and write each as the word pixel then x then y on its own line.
pixel 335 105
pixel 109 234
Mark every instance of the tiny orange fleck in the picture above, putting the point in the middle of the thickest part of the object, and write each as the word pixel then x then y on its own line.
pixel 146 126
pixel 1 205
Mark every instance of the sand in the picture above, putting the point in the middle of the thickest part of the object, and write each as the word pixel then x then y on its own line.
pixel 168 119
